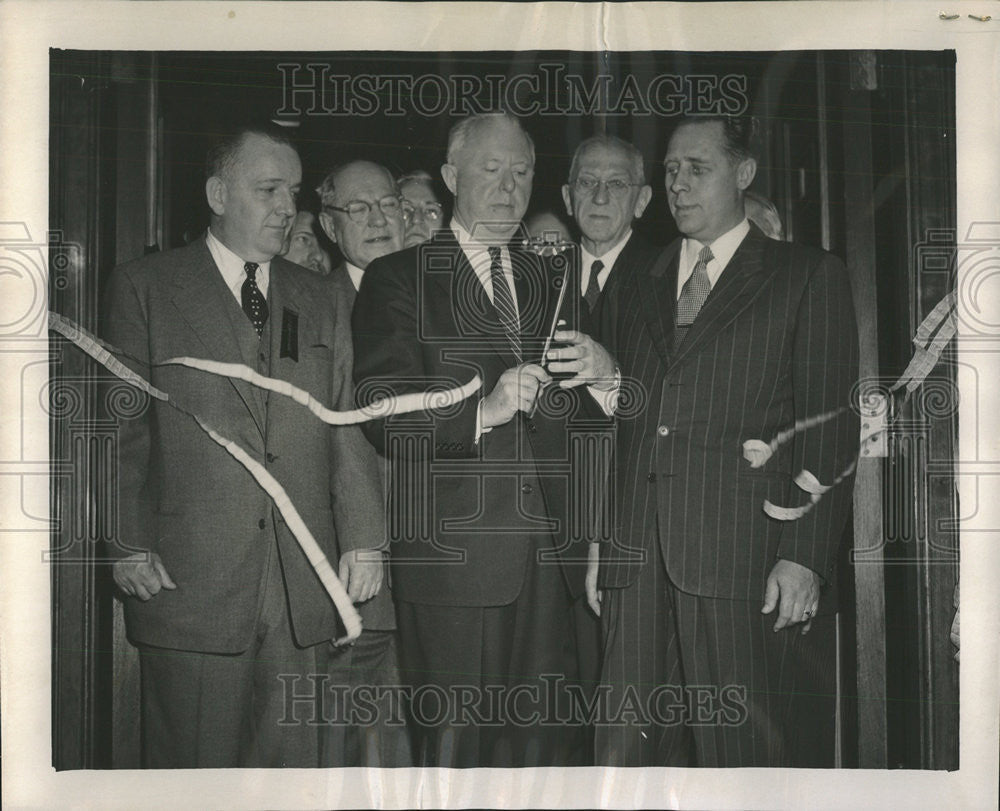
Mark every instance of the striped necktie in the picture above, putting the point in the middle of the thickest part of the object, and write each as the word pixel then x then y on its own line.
pixel 693 295
pixel 503 301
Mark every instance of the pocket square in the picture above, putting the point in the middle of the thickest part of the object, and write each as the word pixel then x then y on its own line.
pixel 290 334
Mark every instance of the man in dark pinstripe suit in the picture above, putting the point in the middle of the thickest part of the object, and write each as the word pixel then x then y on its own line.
pixel 705 599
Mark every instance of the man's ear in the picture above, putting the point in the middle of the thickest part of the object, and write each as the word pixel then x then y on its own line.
pixel 567 199
pixel 326 223
pixel 645 195
pixel 216 193
pixel 745 173
pixel 450 176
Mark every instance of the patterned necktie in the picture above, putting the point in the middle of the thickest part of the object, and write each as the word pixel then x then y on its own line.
pixel 254 303
pixel 593 286
pixel 503 301
pixel 693 295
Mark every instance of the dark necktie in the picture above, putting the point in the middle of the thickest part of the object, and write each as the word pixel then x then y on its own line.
pixel 693 295
pixel 503 301
pixel 593 292
pixel 254 303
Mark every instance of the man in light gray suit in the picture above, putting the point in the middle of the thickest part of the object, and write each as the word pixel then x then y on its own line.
pixel 226 610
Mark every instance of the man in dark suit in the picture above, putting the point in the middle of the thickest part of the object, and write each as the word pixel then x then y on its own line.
pixel 362 213
pixel 606 192
pixel 480 490
pixel 223 605
pixel 706 599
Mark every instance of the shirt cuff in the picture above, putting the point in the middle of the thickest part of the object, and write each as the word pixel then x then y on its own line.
pixel 608 400
pixel 479 424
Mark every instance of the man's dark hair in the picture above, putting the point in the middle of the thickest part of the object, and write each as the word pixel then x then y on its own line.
pixel 739 133
pixel 223 153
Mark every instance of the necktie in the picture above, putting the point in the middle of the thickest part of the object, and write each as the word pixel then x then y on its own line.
pixel 503 301
pixel 593 287
pixel 254 303
pixel 693 295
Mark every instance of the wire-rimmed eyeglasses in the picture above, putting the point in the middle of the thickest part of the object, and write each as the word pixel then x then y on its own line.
pixel 430 212
pixel 616 186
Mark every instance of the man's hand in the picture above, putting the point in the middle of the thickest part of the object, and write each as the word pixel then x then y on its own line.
pixel 587 359
pixel 515 391
pixel 594 594
pixel 361 573
pixel 798 589
pixel 142 575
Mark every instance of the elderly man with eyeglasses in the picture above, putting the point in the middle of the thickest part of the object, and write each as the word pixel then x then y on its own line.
pixel 606 192
pixel 362 212
pixel 422 210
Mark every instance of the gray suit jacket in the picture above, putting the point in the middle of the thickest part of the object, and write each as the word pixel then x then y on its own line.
pixel 184 497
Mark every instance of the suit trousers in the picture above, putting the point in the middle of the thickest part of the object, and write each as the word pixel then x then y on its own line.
pixel 487 682
pixel 364 712
pixel 205 710
pixel 701 681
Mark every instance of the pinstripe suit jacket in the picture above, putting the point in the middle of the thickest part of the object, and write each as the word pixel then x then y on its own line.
pixel 775 342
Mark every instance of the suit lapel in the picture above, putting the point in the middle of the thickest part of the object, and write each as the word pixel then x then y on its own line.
pixel 657 298
pixel 201 301
pixel 740 283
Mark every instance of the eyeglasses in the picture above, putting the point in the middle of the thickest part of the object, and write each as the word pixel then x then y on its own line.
pixel 616 186
pixel 431 212
pixel 358 210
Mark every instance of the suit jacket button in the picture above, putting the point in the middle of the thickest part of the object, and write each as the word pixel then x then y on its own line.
pixel 261 524
pixel 650 477
pixel 271 457
pixel 532 428
pixel 663 430
pixel 527 489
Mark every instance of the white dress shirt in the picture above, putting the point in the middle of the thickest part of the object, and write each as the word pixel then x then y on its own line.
pixel 609 258
pixel 231 268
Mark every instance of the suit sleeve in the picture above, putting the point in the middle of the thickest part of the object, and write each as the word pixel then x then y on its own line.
pixel 824 371
pixel 355 483
pixel 390 359
pixel 126 328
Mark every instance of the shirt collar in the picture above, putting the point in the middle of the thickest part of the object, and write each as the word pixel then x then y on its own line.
pixel 610 257
pixel 355 273
pixel 466 240
pixel 723 248
pixel 231 266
